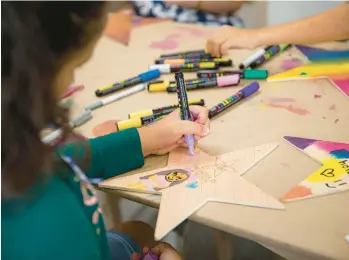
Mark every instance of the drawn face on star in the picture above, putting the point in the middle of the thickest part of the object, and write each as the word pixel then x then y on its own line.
pixel 176 176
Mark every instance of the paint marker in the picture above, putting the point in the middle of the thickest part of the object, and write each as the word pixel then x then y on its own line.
pixel 269 54
pixel 71 90
pixel 253 57
pixel 137 122
pixel 240 95
pixel 150 256
pixel 192 84
pixel 184 108
pixel 78 121
pixel 222 62
pixel 141 78
pixel 167 68
pixel 149 112
pixel 183 53
pixel 244 74
pixel 117 96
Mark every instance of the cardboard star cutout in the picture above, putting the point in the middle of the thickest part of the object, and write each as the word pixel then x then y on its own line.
pixel 333 65
pixel 188 182
pixel 332 177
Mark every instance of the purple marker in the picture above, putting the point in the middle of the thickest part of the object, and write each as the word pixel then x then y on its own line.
pixel 184 108
pixel 150 256
pixel 240 95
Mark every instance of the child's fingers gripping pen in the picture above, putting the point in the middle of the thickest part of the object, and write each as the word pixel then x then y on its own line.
pixel 184 108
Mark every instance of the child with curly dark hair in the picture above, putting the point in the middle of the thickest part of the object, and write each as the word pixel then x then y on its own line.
pixel 49 210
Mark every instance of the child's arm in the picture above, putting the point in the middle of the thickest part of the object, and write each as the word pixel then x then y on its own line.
pixel 327 26
pixel 123 151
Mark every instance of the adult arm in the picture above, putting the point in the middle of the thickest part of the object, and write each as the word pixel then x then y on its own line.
pixel 327 26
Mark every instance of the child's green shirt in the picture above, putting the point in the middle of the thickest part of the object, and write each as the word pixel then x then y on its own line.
pixel 60 219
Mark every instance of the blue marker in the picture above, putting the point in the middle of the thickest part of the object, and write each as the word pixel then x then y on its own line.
pixel 141 78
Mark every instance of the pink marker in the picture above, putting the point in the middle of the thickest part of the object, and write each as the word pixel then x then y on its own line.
pixel 223 81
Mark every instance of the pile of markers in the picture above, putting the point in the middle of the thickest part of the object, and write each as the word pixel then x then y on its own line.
pixel 209 75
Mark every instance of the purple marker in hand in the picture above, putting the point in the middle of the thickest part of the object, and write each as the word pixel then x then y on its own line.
pixel 184 108
pixel 150 256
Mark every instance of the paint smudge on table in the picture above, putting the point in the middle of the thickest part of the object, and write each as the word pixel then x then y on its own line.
pixel 291 63
pixel 336 121
pixel 281 99
pixel 169 43
pixel 332 107
pixel 317 96
pixel 105 128
pixel 290 108
pixel 297 192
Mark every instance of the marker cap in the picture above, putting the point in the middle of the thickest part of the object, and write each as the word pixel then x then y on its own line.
pixel 255 74
pixel 125 124
pixel 142 113
pixel 250 89
pixel 158 86
pixel 228 80
pixel 149 75
pixel 163 68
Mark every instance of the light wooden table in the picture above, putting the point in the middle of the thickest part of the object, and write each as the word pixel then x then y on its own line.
pixel 308 229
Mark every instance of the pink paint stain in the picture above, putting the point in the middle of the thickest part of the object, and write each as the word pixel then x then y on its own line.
pixel 332 107
pixel 195 32
pixel 290 108
pixel 282 99
pixel 317 96
pixel 291 64
pixel 169 43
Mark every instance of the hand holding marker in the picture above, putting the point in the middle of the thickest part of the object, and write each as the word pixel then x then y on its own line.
pixel 170 86
pixel 141 78
pixel 184 108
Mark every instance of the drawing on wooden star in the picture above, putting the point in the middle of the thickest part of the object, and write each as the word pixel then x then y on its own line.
pixel 333 65
pixel 332 177
pixel 188 182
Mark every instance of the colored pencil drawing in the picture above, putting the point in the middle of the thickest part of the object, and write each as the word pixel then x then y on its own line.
pixel 332 177
pixel 333 65
pixel 202 178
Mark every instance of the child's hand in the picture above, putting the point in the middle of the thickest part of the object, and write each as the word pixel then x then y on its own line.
pixel 164 250
pixel 228 37
pixel 168 133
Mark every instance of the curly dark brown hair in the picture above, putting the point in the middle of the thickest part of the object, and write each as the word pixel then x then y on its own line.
pixel 37 38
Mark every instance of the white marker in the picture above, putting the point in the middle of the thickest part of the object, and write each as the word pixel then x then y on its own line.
pixel 117 96
pixel 78 121
pixel 347 238
pixel 253 57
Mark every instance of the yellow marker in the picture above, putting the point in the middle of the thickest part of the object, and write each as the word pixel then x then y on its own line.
pixel 164 109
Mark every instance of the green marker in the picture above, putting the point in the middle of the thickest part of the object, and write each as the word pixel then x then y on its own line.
pixel 244 74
